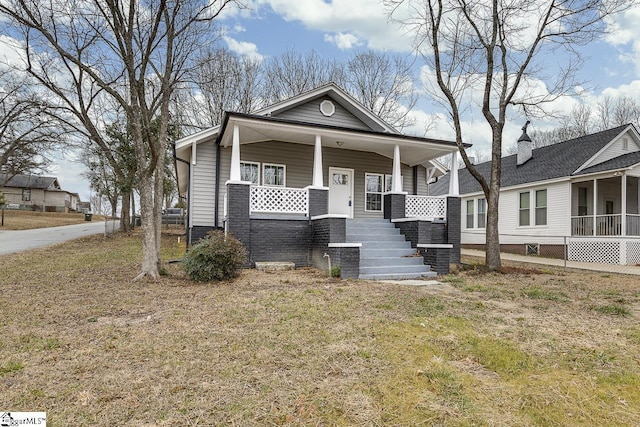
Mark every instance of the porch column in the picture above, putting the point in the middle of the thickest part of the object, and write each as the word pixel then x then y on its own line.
pixel 317 163
pixel 595 206
pixel 623 225
pixel 454 188
pixel 234 175
pixel 396 186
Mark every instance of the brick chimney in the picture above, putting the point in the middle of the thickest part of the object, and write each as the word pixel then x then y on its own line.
pixel 525 147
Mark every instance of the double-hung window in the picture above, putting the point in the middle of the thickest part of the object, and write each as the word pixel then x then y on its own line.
pixel 373 192
pixel 250 172
pixel 26 194
pixel 482 213
pixel 470 214
pixel 525 209
pixel 273 174
pixel 541 207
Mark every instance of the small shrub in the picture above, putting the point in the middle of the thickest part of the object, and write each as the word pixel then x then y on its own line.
pixel 216 257
pixel 335 271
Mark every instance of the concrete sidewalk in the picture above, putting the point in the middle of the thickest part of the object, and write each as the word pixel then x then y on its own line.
pixel 592 266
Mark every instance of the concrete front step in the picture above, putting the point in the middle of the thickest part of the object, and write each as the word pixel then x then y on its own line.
pixel 385 244
pixel 385 253
pixel 390 261
pixel 395 269
pixel 392 276
pixel 369 233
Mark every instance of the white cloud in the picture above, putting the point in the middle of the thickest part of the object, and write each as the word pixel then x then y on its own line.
pixel 343 41
pixel 343 21
pixel 243 48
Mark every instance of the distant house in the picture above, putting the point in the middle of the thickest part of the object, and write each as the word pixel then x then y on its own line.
pixel 319 176
pixel 584 191
pixel 42 193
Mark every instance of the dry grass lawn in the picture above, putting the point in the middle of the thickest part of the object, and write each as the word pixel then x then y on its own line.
pixel 28 220
pixel 525 348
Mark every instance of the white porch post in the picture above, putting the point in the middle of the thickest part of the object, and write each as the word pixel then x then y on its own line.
pixel 317 163
pixel 454 188
pixel 396 179
pixel 235 155
pixel 595 206
pixel 623 225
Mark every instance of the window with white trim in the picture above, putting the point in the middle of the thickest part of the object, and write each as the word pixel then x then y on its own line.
pixel 26 194
pixel 582 201
pixel 273 174
pixel 250 172
pixel 525 209
pixel 482 213
pixel 470 214
pixel 373 192
pixel 541 207
pixel 388 182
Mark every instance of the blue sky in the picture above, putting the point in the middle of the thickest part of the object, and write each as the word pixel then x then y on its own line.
pixel 338 28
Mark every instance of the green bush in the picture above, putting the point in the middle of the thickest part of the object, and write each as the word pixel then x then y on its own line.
pixel 216 257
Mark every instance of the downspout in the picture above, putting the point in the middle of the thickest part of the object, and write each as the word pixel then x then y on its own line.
pixel 188 218
pixel 217 192
pixel 415 180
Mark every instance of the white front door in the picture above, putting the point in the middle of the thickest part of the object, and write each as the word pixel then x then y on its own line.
pixel 341 191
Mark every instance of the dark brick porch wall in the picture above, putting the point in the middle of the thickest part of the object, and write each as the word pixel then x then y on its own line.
pixel 323 232
pixel 454 227
pixel 280 240
pixel 423 231
pixel 394 205
pixel 437 258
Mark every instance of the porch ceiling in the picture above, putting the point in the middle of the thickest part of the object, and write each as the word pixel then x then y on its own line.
pixel 413 150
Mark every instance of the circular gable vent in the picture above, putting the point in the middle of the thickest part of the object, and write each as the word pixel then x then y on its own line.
pixel 327 108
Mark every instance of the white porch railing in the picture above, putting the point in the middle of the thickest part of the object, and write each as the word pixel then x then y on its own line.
pixel 633 225
pixel 425 206
pixel 279 200
pixel 582 225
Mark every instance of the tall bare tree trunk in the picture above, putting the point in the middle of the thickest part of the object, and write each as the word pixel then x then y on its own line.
pixel 125 212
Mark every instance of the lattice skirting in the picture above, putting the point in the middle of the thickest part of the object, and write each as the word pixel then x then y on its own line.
pixel 619 251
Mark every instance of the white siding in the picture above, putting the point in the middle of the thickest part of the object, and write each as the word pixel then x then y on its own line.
pixel 558 217
pixel 616 149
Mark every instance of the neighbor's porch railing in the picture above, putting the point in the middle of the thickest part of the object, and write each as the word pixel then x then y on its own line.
pixel 606 225
pixel 425 206
pixel 279 200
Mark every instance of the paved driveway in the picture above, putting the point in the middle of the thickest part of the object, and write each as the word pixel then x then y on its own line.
pixel 12 241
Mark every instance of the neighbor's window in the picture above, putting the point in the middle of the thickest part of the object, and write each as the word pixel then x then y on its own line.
pixel 470 204
pixel 26 194
pixel 582 201
pixel 273 175
pixel 541 207
pixel 525 209
pixel 482 213
pixel 373 192
pixel 250 172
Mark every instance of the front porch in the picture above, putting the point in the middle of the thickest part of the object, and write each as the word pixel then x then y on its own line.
pixel 607 206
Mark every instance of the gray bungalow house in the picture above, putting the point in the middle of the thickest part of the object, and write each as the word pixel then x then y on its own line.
pixel 318 178
pixel 37 192
pixel 580 195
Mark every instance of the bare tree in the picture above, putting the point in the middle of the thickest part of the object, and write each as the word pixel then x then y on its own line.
pixel 496 47
pixel 225 82
pixel 293 73
pixel 383 84
pixel 131 53
pixel 28 131
pixel 612 113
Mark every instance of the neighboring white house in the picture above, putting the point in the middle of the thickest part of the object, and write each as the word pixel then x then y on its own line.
pixel 584 191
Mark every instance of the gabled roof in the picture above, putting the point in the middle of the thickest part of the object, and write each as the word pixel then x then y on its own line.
pixel 337 94
pixel 31 181
pixel 551 162
pixel 331 90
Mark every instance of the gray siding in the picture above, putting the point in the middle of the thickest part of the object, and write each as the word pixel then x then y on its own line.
pixel 203 185
pixel 298 159
pixel 310 112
